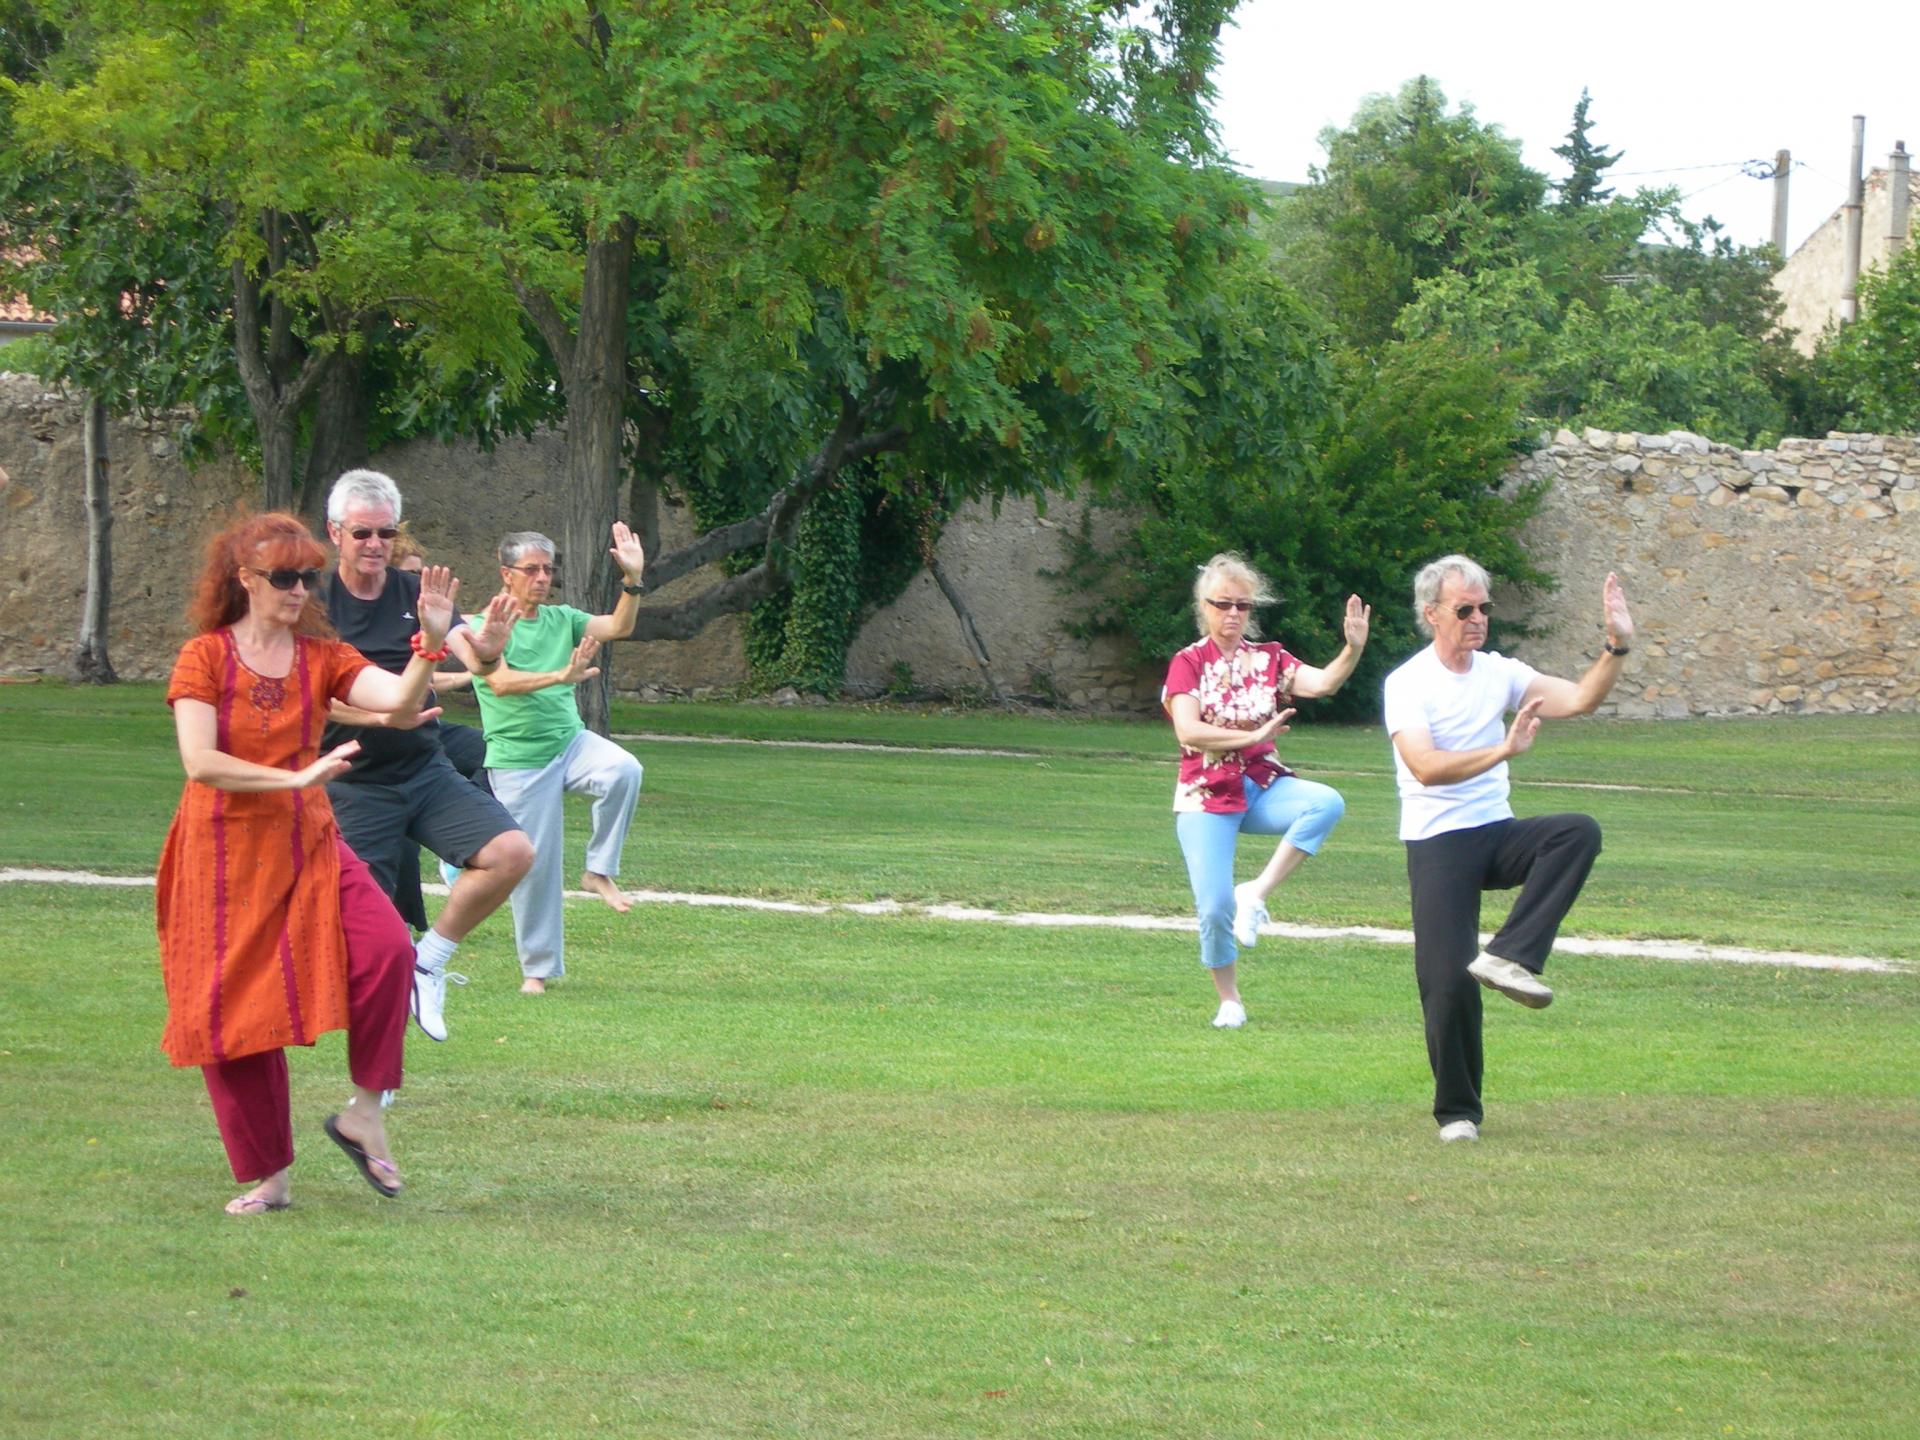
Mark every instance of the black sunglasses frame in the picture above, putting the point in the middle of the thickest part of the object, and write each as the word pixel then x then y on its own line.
pixel 287 579
pixel 367 532
pixel 1245 607
pixel 1461 612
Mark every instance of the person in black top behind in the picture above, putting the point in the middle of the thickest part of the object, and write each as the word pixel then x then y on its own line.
pixel 402 791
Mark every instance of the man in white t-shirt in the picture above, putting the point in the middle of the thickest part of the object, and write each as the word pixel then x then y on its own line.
pixel 1446 714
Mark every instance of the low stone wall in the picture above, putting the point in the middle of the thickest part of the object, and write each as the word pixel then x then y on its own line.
pixel 1762 581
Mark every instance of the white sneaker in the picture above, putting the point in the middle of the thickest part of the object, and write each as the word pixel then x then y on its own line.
pixel 1516 982
pixel 430 999
pixel 1249 915
pixel 449 873
pixel 1231 1017
pixel 1459 1130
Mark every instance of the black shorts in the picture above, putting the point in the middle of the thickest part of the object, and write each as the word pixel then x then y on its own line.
pixel 434 807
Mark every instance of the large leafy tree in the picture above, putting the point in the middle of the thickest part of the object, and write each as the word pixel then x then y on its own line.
pixel 1412 190
pixel 762 246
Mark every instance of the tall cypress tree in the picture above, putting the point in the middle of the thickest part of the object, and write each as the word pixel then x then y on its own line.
pixel 1586 160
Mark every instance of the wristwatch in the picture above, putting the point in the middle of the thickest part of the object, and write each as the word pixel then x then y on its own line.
pixel 629 588
pixel 1613 649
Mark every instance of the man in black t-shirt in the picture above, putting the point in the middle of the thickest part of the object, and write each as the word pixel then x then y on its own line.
pixel 402 791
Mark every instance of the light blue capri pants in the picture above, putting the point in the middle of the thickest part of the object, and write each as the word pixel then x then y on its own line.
pixel 1303 811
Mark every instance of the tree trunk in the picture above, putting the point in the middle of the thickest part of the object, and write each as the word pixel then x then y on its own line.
pixel 596 412
pixel 976 647
pixel 276 458
pixel 339 431
pixel 90 663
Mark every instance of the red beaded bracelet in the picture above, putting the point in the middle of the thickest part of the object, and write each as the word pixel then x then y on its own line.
pixel 436 656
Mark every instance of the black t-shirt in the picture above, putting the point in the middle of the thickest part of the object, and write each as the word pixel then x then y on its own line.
pixel 382 630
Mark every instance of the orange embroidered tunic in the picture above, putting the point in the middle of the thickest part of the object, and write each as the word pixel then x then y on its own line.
pixel 251 948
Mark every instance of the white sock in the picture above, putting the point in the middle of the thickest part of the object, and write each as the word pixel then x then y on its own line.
pixel 433 950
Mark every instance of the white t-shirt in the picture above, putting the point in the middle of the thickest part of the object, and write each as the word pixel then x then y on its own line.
pixel 1460 712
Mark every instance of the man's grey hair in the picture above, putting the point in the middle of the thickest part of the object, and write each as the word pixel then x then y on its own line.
pixel 514 547
pixel 1229 566
pixel 362 487
pixel 1427 584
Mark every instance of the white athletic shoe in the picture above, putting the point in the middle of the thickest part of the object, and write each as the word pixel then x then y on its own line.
pixel 430 999
pixel 1249 915
pixel 1459 1130
pixel 1231 1017
pixel 449 873
pixel 1516 982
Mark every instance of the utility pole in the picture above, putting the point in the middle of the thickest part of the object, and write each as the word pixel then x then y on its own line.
pixel 1782 167
pixel 1850 274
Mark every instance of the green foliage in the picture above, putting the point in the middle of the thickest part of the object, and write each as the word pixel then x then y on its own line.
pixel 1608 310
pixel 1647 362
pixel 1872 367
pixel 1331 478
pixel 1586 162
pixel 1410 191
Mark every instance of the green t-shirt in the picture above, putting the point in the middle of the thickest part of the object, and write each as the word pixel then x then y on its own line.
pixel 525 732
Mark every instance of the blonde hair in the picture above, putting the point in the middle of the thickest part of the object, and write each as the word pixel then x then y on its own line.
pixel 404 547
pixel 1228 565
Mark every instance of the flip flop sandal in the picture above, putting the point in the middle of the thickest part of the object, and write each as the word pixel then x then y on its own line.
pixel 365 1163
pixel 253 1205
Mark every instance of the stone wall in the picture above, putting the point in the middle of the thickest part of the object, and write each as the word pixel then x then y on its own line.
pixel 1761 581
pixel 459 500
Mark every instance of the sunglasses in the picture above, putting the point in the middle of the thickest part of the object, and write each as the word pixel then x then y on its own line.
pixel 287 579
pixel 536 569
pixel 1461 612
pixel 365 532
pixel 1243 606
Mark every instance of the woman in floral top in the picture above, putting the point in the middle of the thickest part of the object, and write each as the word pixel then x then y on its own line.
pixel 1225 696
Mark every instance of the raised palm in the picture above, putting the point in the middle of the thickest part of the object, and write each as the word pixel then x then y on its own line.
pixel 1613 599
pixel 627 552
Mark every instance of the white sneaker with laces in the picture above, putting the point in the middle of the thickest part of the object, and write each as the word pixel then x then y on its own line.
pixel 1249 914
pixel 430 999
pixel 1459 1130
pixel 1231 1017
pixel 1516 982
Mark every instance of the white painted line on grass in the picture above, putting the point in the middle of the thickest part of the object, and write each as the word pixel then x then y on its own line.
pixel 1683 951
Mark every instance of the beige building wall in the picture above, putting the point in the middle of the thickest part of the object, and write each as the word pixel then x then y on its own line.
pixel 1812 279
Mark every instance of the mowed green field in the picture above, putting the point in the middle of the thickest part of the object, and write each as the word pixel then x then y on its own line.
pixel 769 1174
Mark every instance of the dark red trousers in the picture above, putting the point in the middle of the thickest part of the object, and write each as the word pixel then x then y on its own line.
pixel 250 1095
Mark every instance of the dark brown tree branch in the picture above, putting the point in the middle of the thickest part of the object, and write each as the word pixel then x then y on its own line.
pixel 548 320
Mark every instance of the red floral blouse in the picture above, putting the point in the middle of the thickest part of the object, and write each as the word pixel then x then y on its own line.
pixel 1241 693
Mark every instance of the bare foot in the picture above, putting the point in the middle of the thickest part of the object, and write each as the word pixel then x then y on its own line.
pixel 533 985
pixel 272 1193
pixel 607 889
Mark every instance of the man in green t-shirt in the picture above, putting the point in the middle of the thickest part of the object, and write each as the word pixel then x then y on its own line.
pixel 538 749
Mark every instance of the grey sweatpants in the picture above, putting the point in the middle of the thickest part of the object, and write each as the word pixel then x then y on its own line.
pixel 536 800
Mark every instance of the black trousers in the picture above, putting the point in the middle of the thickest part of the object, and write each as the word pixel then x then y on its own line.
pixel 1548 857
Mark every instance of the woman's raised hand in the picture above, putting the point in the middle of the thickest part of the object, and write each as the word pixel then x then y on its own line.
pixel 1358 622
pixel 1273 728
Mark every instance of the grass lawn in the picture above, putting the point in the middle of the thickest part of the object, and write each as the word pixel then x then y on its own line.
pixel 777 1175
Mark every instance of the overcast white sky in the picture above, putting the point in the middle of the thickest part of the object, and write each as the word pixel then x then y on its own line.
pixel 1686 88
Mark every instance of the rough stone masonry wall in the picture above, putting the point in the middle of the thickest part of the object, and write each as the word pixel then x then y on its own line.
pixel 1765 581
pixel 1761 581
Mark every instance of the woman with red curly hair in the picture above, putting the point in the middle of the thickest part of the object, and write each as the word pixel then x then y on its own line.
pixel 271 930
